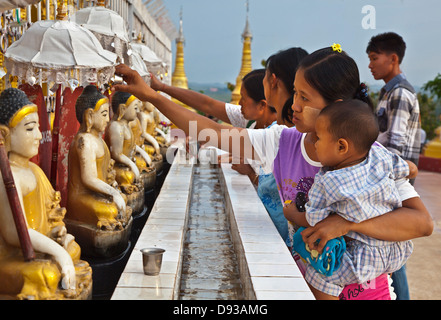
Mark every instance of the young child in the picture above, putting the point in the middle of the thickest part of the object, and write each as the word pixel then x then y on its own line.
pixel 357 182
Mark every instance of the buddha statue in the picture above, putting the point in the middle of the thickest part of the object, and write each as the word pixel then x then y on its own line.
pixel 148 174
pixel 433 148
pixel 152 128
pixel 151 145
pixel 147 141
pixel 57 271
pixel 159 134
pixel 121 141
pixel 97 214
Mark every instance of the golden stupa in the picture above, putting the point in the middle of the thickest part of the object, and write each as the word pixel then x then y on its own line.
pixel 246 66
pixel 179 79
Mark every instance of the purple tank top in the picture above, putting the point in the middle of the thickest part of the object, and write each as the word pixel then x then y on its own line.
pixel 293 170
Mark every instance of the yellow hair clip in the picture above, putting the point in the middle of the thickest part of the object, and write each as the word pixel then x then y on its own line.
pixel 336 47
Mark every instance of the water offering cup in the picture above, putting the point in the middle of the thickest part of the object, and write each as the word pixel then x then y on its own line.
pixel 152 260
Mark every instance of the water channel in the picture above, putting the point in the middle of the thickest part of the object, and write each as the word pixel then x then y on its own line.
pixel 210 269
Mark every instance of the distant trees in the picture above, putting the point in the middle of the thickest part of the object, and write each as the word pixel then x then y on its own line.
pixel 429 106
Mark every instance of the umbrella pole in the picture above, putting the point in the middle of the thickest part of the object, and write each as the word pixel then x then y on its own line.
pixel 14 202
pixel 55 136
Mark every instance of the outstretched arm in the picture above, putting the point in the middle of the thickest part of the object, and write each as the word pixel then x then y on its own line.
pixel 233 140
pixel 193 99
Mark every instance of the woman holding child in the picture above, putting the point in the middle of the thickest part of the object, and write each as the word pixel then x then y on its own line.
pixel 323 77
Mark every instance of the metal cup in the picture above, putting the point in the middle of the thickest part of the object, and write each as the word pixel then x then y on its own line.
pixel 152 260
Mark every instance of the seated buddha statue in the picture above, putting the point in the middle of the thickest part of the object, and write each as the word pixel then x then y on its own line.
pixel 151 144
pixel 152 128
pixel 94 201
pixel 148 175
pixel 145 116
pixel 159 134
pixel 57 272
pixel 121 141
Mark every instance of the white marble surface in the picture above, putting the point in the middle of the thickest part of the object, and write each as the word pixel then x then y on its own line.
pixel 165 228
pixel 264 258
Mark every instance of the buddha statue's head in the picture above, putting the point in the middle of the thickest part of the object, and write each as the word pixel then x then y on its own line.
pixel 19 123
pixel 147 107
pixel 125 106
pixel 92 110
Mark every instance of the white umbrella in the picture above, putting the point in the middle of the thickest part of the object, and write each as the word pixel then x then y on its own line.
pixel 59 51
pixel 109 28
pixel 139 65
pixel 151 60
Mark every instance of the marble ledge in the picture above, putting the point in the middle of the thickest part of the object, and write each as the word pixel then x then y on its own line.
pixel 265 261
pixel 165 228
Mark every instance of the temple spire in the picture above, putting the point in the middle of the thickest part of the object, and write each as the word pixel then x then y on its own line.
pixel 246 66
pixel 179 79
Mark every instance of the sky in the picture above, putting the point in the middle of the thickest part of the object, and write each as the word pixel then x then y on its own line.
pixel 213 28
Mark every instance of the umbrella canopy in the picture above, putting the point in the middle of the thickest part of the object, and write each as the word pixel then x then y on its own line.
pixel 109 28
pixel 151 60
pixel 139 65
pixel 12 4
pixel 59 51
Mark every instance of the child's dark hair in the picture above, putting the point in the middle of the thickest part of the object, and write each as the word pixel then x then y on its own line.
pixel 284 65
pixel 253 84
pixel 352 120
pixel 334 75
pixel 388 42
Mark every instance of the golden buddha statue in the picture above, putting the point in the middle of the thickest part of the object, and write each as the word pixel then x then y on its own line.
pixel 148 142
pixel 97 214
pixel 152 122
pixel 121 141
pixel 159 134
pixel 148 175
pixel 57 272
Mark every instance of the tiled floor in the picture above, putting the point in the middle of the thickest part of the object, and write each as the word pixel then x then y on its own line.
pixel 428 185
pixel 424 263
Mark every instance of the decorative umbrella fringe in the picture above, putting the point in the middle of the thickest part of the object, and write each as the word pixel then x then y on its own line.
pixel 84 75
